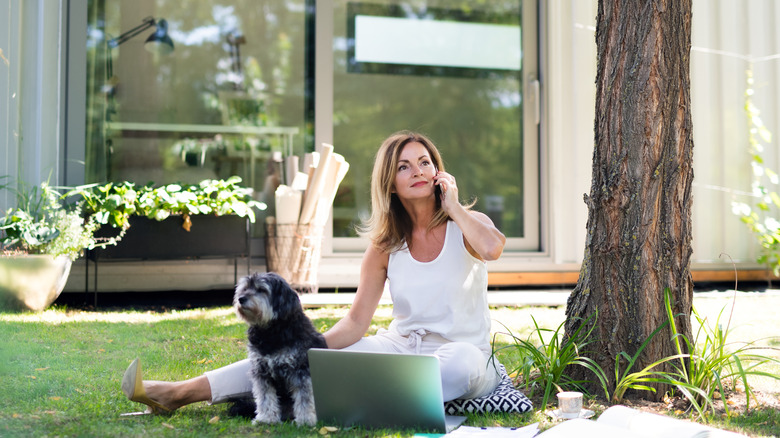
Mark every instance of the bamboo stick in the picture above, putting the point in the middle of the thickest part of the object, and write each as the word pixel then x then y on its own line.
pixel 307 210
pixel 290 169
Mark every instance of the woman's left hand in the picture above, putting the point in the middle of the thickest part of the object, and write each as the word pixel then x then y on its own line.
pixel 483 240
pixel 449 190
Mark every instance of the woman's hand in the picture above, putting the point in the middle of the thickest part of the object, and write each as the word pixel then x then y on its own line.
pixel 483 240
pixel 449 191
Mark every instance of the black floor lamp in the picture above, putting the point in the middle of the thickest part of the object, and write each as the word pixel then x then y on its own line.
pixel 158 42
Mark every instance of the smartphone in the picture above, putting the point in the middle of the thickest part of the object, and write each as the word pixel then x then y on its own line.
pixel 437 187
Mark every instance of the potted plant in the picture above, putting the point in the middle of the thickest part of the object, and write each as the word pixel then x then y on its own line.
pixel 42 235
pixel 39 239
pixel 159 220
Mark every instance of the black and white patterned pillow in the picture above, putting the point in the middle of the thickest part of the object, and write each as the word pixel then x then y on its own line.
pixel 505 398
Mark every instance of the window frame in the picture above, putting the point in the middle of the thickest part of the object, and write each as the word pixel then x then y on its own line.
pixel 336 247
pixel 323 127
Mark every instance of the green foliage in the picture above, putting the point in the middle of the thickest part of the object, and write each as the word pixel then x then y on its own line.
pixel 761 218
pixel 40 224
pixel 114 203
pixel 544 367
pixel 700 367
pixel 716 364
pixel 43 224
pixel 638 380
pixel 111 203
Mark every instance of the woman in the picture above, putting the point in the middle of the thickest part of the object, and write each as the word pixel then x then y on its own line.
pixel 432 250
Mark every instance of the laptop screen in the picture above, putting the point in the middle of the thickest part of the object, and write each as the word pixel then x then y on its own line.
pixel 377 390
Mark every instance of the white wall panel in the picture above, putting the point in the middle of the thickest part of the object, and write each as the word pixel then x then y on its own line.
pixel 570 87
pixel 10 68
pixel 727 35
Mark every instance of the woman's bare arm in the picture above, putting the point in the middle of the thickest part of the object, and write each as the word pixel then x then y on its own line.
pixel 482 238
pixel 373 273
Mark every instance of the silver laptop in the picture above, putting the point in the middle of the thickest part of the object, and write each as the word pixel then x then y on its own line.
pixel 379 390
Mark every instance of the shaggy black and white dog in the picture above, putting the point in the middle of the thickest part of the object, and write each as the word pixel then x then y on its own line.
pixel 280 336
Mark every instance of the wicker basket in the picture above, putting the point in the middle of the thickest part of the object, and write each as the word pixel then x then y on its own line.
pixel 293 251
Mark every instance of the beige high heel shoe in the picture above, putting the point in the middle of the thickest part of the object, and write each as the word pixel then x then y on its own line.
pixel 133 387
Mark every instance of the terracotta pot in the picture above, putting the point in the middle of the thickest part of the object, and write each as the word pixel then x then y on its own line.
pixel 32 282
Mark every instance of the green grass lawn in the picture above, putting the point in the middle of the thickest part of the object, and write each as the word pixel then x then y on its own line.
pixel 61 370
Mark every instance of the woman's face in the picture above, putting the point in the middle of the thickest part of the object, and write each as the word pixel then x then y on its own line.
pixel 414 172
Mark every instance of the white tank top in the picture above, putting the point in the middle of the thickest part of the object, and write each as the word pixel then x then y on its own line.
pixel 446 296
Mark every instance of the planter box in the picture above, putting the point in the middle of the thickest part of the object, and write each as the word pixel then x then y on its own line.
pixel 209 236
pixel 147 239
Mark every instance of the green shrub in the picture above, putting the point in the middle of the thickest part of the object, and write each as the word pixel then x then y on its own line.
pixel 716 364
pixel 544 367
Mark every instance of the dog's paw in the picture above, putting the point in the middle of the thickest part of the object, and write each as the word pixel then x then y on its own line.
pixel 310 419
pixel 266 419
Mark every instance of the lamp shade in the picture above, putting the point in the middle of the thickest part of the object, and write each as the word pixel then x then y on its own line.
pixel 160 41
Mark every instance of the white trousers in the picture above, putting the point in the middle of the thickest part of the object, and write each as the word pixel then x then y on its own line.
pixel 466 371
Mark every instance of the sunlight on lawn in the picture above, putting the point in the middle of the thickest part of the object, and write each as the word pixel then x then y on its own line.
pixel 58 316
pixel 753 319
pixel 518 320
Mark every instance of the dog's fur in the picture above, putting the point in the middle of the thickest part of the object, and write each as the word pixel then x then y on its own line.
pixel 280 336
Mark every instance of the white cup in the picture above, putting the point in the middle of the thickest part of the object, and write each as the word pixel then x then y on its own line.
pixel 569 404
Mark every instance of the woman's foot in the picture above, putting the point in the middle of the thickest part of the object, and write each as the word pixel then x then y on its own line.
pixel 133 387
pixel 168 394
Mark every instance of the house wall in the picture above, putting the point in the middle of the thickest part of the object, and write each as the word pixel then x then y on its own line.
pixel 727 37
pixel 10 68
pixel 569 63
pixel 32 96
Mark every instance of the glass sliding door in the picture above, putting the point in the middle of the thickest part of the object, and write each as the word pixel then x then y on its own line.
pixel 187 90
pixel 455 71
pixel 247 82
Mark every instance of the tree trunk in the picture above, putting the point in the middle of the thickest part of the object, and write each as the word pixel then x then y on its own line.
pixel 639 208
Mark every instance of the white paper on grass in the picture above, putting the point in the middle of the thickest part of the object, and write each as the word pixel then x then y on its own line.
pixel 495 432
pixel 623 422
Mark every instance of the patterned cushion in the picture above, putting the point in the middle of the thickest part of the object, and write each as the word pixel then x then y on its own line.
pixel 505 398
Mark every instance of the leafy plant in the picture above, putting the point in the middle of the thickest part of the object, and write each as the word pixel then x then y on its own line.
pixel 543 367
pixel 111 203
pixel 219 197
pixel 637 380
pixel 761 219
pixel 642 379
pixel 40 224
pixel 716 364
pixel 707 364
pixel 678 377
pixel 114 203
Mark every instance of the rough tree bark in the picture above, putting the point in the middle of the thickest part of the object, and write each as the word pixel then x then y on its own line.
pixel 639 208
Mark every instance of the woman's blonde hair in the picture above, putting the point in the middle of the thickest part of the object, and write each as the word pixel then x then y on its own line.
pixel 390 225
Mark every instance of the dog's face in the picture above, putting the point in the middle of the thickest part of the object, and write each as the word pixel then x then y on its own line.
pixel 262 298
